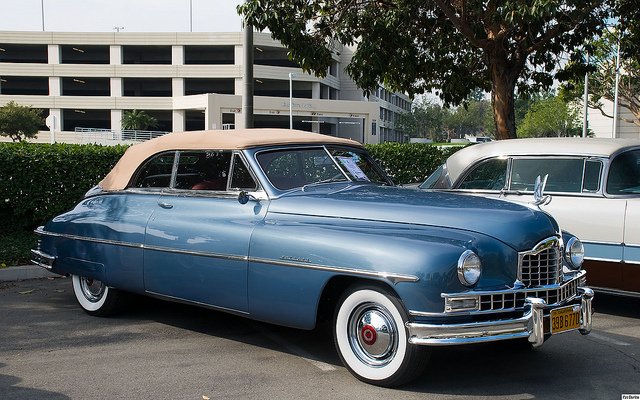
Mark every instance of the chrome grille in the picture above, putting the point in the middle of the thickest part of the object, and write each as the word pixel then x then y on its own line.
pixel 541 266
pixel 505 300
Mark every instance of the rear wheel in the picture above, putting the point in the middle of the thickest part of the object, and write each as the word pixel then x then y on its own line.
pixel 96 298
pixel 371 338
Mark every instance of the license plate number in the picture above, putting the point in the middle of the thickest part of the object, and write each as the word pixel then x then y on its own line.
pixel 565 319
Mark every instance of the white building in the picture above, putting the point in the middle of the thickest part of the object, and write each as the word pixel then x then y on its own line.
pixel 187 80
pixel 603 126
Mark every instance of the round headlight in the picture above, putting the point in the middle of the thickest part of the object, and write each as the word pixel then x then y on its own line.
pixel 469 268
pixel 574 253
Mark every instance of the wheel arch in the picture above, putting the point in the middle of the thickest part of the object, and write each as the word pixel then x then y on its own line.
pixel 338 285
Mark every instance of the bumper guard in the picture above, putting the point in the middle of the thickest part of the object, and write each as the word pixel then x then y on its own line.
pixel 530 325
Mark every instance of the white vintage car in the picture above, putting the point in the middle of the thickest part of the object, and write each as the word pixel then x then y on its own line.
pixel 594 188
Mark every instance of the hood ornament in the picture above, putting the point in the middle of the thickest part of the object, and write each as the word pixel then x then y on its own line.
pixel 538 192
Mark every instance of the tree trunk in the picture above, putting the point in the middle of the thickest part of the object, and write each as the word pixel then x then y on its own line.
pixel 502 99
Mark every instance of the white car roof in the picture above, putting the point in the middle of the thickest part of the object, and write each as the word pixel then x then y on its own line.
pixel 591 147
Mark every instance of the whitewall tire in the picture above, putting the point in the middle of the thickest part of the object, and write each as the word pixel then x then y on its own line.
pixel 371 338
pixel 95 297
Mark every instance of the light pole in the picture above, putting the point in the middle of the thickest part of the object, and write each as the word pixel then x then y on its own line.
pixel 291 76
pixel 585 122
pixel 615 97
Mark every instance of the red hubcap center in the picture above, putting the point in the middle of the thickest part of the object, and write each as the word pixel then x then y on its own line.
pixel 369 335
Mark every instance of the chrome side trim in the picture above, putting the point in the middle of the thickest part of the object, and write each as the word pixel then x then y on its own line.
pixel 392 277
pixel 196 253
pixel 88 239
pixel 615 260
pixel 615 292
pixel 603 242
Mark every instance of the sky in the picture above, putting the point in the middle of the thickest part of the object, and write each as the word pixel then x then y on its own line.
pixel 133 15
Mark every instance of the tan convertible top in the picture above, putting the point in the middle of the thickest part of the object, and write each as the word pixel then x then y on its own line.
pixel 236 139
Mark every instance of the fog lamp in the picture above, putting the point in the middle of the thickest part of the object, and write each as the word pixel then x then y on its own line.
pixel 574 253
pixel 469 268
pixel 462 305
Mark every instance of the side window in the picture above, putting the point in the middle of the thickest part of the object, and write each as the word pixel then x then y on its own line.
pixel 565 174
pixel 155 173
pixel 437 180
pixel 241 178
pixel 592 171
pixel 624 174
pixel 490 175
pixel 203 170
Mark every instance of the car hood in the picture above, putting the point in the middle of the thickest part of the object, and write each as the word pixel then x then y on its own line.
pixel 517 225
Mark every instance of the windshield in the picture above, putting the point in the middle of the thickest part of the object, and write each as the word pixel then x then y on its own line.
pixel 296 167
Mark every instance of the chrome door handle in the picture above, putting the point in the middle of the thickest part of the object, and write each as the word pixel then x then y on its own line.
pixel 165 205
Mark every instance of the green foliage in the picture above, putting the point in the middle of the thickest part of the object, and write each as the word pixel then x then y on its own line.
pixel 551 116
pixel 602 77
pixel 409 162
pixel 15 248
pixel 39 181
pixel 450 47
pixel 424 120
pixel 138 120
pixel 19 122
pixel 430 120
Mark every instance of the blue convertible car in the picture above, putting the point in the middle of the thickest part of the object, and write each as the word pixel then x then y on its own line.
pixel 293 227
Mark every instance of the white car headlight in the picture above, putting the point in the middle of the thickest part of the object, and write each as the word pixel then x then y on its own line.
pixel 469 268
pixel 574 253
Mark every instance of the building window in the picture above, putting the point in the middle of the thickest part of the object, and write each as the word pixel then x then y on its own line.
pixel 24 53
pixel 85 87
pixel 147 87
pixel 146 54
pixel 81 54
pixel 83 118
pixel 273 56
pixel 24 85
pixel 209 55
pixel 201 86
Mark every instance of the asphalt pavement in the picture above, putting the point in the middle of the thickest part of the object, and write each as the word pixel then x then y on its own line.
pixel 51 349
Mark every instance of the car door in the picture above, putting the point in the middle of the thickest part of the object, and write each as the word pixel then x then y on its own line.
pixel 197 239
pixel 623 184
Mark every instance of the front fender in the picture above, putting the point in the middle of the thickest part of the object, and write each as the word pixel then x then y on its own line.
pixel 292 257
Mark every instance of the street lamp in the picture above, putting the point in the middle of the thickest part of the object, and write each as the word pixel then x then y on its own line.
pixel 291 76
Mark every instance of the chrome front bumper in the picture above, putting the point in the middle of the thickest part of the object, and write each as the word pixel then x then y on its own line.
pixel 530 325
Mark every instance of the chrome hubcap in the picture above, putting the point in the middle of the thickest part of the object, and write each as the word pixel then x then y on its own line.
pixel 373 334
pixel 92 289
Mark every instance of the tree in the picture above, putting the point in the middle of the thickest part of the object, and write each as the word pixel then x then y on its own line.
pixel 469 119
pixel 19 122
pixel 138 120
pixel 551 116
pixel 602 79
pixel 451 46
pixel 424 120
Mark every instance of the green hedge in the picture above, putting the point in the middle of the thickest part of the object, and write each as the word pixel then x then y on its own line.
pixel 410 162
pixel 39 181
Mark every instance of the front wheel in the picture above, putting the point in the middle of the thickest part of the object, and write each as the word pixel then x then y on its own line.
pixel 96 298
pixel 371 338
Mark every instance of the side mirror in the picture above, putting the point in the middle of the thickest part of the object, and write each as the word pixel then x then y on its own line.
pixel 244 197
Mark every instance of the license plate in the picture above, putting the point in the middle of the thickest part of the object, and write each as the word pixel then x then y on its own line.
pixel 565 319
